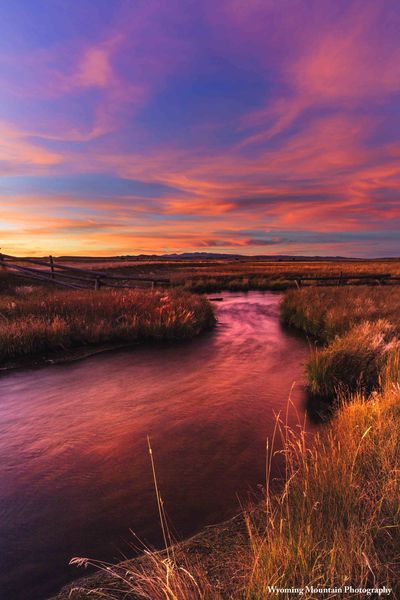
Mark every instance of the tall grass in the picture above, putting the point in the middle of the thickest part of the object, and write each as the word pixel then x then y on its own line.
pixel 155 578
pixel 337 521
pixel 360 328
pixel 41 321
pixel 326 312
pixel 358 360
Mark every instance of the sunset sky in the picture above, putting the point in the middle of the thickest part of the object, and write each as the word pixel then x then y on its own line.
pixel 244 126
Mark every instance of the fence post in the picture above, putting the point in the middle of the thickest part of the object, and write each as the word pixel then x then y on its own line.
pixel 97 283
pixel 51 266
pixel 340 278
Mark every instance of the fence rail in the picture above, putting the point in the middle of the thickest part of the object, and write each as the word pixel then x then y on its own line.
pixel 73 277
pixel 344 278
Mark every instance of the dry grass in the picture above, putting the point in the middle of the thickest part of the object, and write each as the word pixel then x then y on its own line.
pixel 337 522
pixel 360 328
pixel 158 578
pixel 359 360
pixel 238 275
pixel 325 312
pixel 39 320
pixel 246 275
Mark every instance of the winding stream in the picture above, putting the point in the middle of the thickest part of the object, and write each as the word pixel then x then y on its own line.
pixel 75 472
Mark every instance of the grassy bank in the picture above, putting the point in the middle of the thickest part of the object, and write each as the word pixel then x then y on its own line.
pixel 358 330
pixel 37 320
pixel 337 521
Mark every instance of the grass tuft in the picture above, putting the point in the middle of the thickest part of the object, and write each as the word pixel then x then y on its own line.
pixel 360 328
pixel 31 324
pixel 337 522
pixel 363 359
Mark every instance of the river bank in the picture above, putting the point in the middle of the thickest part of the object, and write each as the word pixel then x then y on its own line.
pixel 337 521
pixel 39 326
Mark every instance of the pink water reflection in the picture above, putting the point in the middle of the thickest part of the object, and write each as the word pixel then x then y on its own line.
pixel 75 472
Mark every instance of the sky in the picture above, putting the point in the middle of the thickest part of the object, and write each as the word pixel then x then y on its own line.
pixel 240 126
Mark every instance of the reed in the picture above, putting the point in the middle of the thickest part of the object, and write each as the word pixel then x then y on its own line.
pixel 39 320
pixel 326 312
pixel 337 521
pixel 359 328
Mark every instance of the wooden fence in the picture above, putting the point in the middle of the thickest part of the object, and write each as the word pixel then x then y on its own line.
pixel 343 279
pixel 51 271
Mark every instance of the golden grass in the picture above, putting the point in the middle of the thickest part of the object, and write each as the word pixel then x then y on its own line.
pixel 239 275
pixel 360 328
pixel 325 312
pixel 42 320
pixel 246 275
pixel 337 521
pixel 159 578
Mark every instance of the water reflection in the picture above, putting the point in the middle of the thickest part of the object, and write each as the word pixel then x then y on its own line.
pixel 75 473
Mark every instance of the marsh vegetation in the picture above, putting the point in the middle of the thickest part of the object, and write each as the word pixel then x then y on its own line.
pixel 236 274
pixel 354 334
pixel 36 320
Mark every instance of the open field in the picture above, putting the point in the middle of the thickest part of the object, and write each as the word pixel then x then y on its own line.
pixel 241 275
pixel 210 275
pixel 34 320
pixel 337 521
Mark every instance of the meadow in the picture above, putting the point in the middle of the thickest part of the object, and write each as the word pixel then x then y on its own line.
pixel 36 320
pixel 213 275
pixel 336 520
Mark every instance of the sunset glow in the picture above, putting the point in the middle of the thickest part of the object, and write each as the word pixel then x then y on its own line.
pixel 241 126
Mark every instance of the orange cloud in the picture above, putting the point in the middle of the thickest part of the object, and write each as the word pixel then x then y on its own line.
pixel 17 152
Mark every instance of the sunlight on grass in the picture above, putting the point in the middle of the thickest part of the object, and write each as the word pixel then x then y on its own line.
pixel 43 320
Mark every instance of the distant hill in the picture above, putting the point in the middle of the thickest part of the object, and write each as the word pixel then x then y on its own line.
pixel 216 256
pixel 221 256
pixel 209 256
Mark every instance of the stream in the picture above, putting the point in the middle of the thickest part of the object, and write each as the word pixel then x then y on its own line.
pixel 75 473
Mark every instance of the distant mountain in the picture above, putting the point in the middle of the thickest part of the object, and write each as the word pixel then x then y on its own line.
pixel 211 256
pixel 216 256
pixel 226 256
